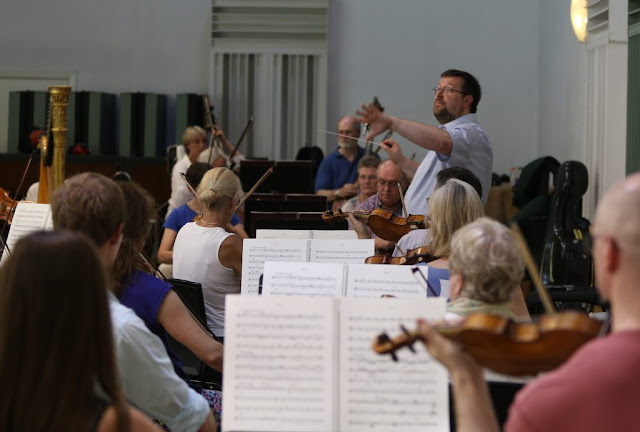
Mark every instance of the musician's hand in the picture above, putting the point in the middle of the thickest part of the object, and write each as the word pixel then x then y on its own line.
pixel 348 190
pixel 217 131
pixel 392 148
pixel 378 122
pixel 362 230
pixel 447 351
pixel 220 161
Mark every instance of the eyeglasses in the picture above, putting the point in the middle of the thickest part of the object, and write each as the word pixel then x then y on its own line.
pixel 447 90
pixel 384 183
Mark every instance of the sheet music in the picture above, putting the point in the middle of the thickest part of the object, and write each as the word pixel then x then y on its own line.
pixel 29 217
pixel 303 279
pixel 278 364
pixel 378 394
pixel 334 235
pixel 256 251
pixel 282 234
pixel 375 280
pixel 341 251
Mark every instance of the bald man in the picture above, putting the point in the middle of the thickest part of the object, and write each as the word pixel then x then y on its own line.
pixel 337 173
pixel 597 388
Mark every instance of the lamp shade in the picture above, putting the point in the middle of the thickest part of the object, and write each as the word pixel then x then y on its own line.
pixel 579 18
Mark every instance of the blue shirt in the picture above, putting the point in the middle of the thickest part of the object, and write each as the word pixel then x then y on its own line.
pixel 335 170
pixel 183 214
pixel 144 294
pixel 471 149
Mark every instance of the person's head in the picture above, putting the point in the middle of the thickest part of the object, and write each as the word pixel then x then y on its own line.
pixel 390 175
pixel 55 334
pixel 461 174
pixel 485 262
pixel 196 171
pixel 140 210
pixel 219 189
pixel 92 204
pixel 367 175
pixel 451 207
pixel 349 126
pixel 616 241
pixel 194 139
pixel 456 94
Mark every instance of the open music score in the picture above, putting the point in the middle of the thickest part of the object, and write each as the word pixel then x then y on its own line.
pixel 306 234
pixel 28 218
pixel 305 364
pixel 255 252
pixel 314 279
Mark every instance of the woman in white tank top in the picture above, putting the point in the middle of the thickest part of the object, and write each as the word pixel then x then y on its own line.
pixel 205 253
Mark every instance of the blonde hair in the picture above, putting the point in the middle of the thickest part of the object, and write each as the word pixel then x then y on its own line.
pixel 191 133
pixel 217 187
pixel 486 255
pixel 451 207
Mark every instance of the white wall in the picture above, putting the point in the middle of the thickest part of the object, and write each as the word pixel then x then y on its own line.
pixel 562 90
pixel 397 50
pixel 523 53
pixel 115 46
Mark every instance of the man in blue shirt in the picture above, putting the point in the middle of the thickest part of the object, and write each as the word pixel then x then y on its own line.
pixel 458 141
pixel 337 173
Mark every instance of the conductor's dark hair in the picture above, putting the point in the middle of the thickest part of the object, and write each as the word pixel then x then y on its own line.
pixel 470 86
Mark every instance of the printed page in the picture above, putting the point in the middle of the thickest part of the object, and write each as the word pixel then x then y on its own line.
pixel 303 279
pixel 283 234
pixel 29 217
pixel 376 280
pixel 256 251
pixel 334 234
pixel 378 394
pixel 341 251
pixel 279 364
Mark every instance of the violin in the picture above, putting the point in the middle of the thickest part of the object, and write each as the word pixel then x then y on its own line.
pixel 412 257
pixel 7 206
pixel 509 347
pixel 383 223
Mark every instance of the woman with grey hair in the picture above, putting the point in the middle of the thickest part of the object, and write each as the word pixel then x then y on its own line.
pixel 486 268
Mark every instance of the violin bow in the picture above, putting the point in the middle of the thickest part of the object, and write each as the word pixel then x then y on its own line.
pixel 202 325
pixel 404 207
pixel 189 185
pixel 209 124
pixel 15 201
pixel 242 137
pixel 533 270
pixel 423 281
pixel 253 189
pixel 384 138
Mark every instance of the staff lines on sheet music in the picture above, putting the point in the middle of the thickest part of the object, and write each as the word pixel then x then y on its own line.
pixel 268 378
pixel 300 409
pixel 300 277
pixel 386 400
pixel 290 366
pixel 282 317
pixel 276 387
pixel 385 412
pixel 273 399
pixel 274 326
pixel 383 424
pixel 295 421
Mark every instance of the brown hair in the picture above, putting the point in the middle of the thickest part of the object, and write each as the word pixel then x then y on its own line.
pixel 90 203
pixel 56 340
pixel 140 209
pixel 217 187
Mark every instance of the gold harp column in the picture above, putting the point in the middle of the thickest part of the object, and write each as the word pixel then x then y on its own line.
pixel 59 99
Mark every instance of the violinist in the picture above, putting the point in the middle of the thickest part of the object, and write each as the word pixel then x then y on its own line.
pixel 153 299
pixel 220 157
pixel 390 179
pixel 367 182
pixel 596 389
pixel 187 213
pixel 416 238
pixel 338 171
pixel 459 141
pixel 205 252
pixel 194 140
pixel 486 267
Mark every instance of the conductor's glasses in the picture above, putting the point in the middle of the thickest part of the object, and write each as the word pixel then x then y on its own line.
pixel 447 90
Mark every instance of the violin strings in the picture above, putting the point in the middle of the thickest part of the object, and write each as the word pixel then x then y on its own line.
pixel 347 136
